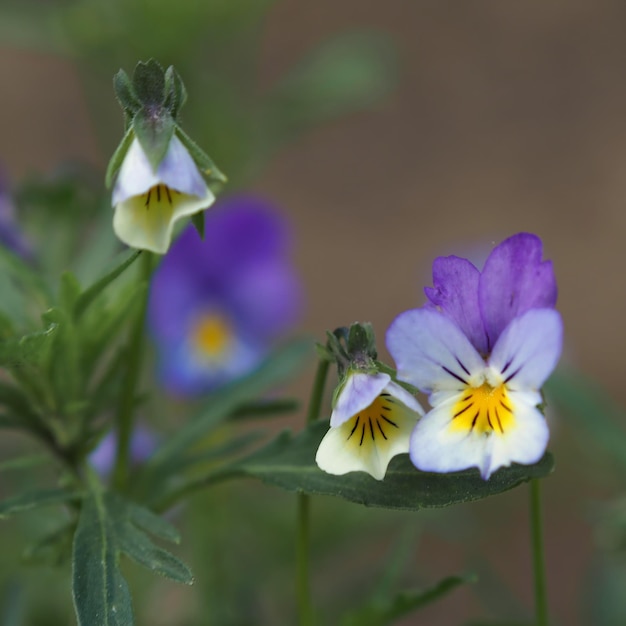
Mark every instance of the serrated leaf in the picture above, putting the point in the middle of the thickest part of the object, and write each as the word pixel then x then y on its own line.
pixel 108 526
pixel 402 604
pixel 100 593
pixel 92 292
pixel 289 462
pixel 35 499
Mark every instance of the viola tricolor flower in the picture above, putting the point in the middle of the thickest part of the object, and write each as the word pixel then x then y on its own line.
pixel 216 305
pixel 482 349
pixel 148 201
pixel 371 422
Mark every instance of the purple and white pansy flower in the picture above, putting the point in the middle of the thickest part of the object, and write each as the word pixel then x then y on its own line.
pixel 371 422
pixel 482 349
pixel 149 201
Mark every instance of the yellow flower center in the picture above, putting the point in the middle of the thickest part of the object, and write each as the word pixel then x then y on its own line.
pixel 484 410
pixel 376 422
pixel 212 336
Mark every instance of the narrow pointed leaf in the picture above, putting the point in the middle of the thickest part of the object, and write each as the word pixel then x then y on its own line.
pixel 402 604
pixel 141 549
pixel 118 157
pixel 154 129
pixel 153 523
pixel 91 293
pixel 35 499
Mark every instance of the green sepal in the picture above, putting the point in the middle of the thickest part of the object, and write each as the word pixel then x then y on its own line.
pixel 149 83
pixel 197 219
pixel 205 164
pixel 175 92
pixel 154 128
pixel 361 340
pixel 118 156
pixel 125 93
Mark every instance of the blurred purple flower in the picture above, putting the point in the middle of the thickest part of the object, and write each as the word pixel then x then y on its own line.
pixel 11 237
pixel 216 305
pixel 143 443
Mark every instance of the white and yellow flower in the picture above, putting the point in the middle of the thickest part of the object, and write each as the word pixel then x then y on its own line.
pixel 371 423
pixel 149 202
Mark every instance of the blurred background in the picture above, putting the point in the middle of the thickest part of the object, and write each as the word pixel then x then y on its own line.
pixel 388 133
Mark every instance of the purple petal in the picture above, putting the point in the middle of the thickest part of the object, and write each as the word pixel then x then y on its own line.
pixel 432 352
pixel 513 281
pixel 455 291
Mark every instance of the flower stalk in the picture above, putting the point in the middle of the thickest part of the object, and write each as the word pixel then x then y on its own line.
pixel 539 574
pixel 125 414
pixel 305 608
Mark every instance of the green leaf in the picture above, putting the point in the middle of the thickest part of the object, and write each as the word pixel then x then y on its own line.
pixel 24 462
pixel 91 293
pixel 101 595
pixel 27 350
pixel 35 499
pixel 154 129
pixel 69 291
pixel 289 462
pixel 266 409
pixel 109 526
pixel 382 613
pixel 118 156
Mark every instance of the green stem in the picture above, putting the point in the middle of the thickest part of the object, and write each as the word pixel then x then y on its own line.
pixel 305 608
pixel 541 596
pixel 126 409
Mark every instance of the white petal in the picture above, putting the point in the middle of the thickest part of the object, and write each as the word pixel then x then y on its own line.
pixel 401 394
pixel 151 228
pixel 359 391
pixel 432 353
pixel 136 175
pixel 342 450
pixel 436 447
pixel 528 349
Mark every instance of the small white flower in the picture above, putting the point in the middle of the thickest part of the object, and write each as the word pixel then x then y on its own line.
pixel 147 203
pixel 370 424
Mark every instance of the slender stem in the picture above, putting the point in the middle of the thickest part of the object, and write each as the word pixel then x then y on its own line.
pixel 305 608
pixel 541 596
pixel 134 360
